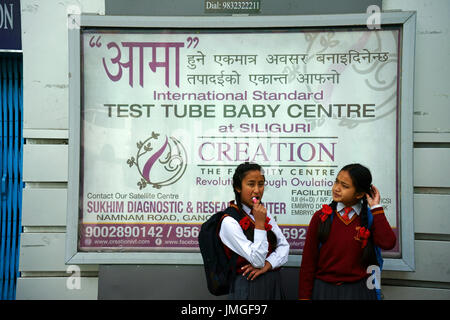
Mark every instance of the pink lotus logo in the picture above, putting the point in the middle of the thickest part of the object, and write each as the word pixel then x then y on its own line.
pixel 160 162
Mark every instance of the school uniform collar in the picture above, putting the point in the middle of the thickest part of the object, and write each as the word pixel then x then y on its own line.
pixel 246 209
pixel 356 208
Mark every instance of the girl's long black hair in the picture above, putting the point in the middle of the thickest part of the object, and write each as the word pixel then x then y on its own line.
pixel 239 175
pixel 362 181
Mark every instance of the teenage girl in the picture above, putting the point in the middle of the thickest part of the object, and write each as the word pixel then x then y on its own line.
pixel 338 247
pixel 261 246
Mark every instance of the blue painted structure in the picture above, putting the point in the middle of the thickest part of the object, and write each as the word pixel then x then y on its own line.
pixel 11 145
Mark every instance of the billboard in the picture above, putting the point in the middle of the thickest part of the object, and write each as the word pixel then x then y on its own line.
pixel 166 114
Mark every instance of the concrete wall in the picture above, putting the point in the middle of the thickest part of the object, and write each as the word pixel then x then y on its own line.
pixel 43 272
pixel 431 279
pixel 45 64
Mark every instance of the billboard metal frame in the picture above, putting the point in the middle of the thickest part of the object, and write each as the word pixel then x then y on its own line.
pixel 405 20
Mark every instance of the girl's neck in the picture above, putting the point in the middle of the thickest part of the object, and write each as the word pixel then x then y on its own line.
pixel 246 208
pixel 351 204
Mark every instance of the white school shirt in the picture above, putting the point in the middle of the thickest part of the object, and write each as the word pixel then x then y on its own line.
pixel 356 209
pixel 255 252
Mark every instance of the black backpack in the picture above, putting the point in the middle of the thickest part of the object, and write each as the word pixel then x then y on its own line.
pixel 219 270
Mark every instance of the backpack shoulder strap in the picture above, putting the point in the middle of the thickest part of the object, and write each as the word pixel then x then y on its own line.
pixel 331 219
pixel 230 211
pixel 377 249
pixel 234 213
pixel 369 218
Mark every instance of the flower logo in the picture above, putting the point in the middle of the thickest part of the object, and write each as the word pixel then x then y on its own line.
pixel 160 162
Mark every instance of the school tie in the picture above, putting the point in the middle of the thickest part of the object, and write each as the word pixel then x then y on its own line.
pixel 346 212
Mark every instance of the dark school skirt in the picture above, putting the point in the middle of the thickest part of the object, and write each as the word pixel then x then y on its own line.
pixel 346 291
pixel 267 286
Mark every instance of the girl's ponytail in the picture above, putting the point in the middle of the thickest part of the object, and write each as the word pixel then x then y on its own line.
pixel 362 180
pixel 325 226
pixel 368 254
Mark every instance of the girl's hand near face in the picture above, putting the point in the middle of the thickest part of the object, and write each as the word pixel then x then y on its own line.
pixel 260 213
pixel 373 199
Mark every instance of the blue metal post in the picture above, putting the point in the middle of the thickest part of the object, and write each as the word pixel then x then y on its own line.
pixel 11 147
pixel 3 175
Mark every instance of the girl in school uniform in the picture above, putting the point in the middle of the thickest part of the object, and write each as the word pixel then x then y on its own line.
pixel 258 241
pixel 339 247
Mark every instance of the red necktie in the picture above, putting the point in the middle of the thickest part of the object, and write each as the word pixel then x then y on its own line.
pixel 346 212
